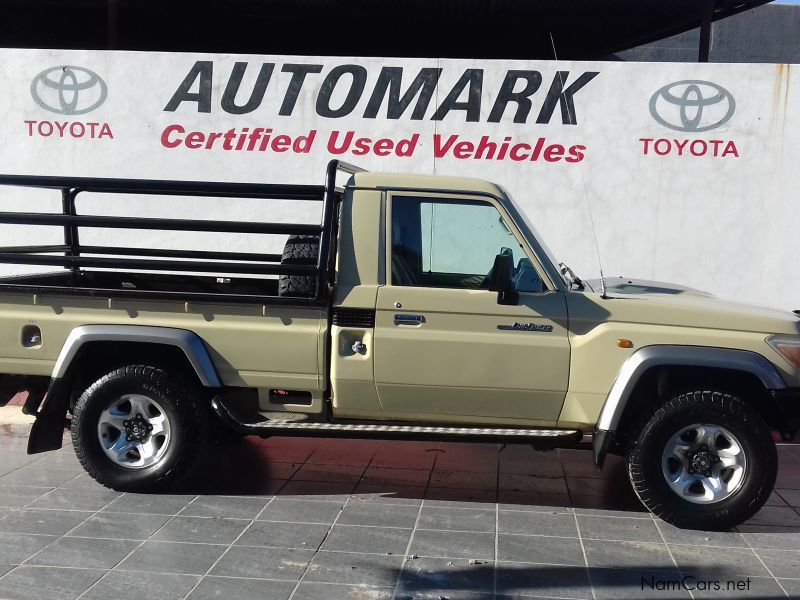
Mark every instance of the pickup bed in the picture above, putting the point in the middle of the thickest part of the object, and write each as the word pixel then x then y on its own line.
pixel 417 307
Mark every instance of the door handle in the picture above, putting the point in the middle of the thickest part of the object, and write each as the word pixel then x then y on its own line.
pixel 414 320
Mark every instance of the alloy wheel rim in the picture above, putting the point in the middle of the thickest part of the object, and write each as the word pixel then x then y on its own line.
pixel 134 431
pixel 704 463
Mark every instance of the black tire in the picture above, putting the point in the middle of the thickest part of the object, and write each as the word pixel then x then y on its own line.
pixel 189 426
pixel 708 407
pixel 299 250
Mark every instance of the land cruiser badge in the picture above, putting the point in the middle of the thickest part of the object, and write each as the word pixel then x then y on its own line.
pixel 526 327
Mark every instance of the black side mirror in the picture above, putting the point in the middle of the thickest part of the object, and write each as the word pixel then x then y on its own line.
pixel 501 280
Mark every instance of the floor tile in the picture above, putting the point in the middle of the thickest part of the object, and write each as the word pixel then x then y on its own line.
pixel 634 583
pixel 235 588
pixel 120 526
pixel 172 557
pixel 52 583
pixel 784 516
pixel 18 547
pixel 84 552
pixel 284 535
pixel 718 563
pixel 463 519
pixel 326 473
pixel 401 477
pixel 532 483
pixel 778 539
pixel 437 577
pixel 537 523
pixel 378 515
pixel 643 556
pixel 47 522
pixel 71 499
pixel 152 504
pixel 234 507
pixel 17 496
pixel 270 563
pixel 388 494
pixel 354 569
pixel 519 579
pixel 781 563
pixel 724 539
pixel 133 585
pixel 317 490
pixel 536 549
pixel 301 511
pixel 332 591
pixel 207 530
pixel 617 528
pixel 37 476
pixel 453 545
pixel 373 540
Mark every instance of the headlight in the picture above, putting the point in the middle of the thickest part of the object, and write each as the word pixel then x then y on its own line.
pixel 788 346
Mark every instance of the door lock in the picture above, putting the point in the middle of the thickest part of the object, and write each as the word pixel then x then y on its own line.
pixel 359 347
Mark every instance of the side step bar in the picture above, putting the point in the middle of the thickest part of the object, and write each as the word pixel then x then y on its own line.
pixel 387 430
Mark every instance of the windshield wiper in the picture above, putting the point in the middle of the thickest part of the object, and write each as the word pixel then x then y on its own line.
pixel 572 279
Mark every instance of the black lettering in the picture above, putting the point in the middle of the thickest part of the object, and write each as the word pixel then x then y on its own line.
pixel 390 79
pixel 472 105
pixel 533 80
pixel 256 96
pixel 359 75
pixel 299 73
pixel 563 96
pixel 202 71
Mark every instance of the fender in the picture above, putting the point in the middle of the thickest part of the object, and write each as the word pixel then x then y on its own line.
pixel 652 356
pixel 46 433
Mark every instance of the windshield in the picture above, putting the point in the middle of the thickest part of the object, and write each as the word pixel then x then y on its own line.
pixel 534 239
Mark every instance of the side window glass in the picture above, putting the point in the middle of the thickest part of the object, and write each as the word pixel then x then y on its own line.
pixel 452 244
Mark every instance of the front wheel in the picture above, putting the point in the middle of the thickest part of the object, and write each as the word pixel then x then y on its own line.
pixel 703 460
pixel 138 428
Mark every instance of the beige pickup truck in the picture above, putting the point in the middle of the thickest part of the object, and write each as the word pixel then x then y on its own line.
pixel 417 307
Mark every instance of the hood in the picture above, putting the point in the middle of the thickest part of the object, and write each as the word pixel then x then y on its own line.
pixel 659 303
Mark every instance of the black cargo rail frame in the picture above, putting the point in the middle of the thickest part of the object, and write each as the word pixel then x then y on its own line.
pixel 71 254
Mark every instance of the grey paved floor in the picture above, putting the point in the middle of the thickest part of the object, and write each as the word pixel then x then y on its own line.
pixel 332 519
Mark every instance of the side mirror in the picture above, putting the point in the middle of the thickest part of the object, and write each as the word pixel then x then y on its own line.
pixel 501 281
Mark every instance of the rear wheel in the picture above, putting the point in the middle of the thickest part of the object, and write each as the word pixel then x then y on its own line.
pixel 703 460
pixel 138 428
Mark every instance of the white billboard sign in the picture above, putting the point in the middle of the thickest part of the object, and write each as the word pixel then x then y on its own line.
pixel 690 170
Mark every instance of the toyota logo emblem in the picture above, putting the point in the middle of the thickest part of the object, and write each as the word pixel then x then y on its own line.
pixel 68 90
pixel 692 105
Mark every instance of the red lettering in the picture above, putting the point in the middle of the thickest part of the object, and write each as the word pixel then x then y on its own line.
pixel 730 148
pixel 575 154
pixel 194 141
pixel 681 146
pixel 168 131
pixel 516 149
pixel 646 141
pixel 463 150
pixel 281 143
pixel 341 149
pixel 703 147
pixel 661 143
pixel 554 153
pixel 439 149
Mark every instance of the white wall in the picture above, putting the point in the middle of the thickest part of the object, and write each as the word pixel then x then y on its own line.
pixel 726 224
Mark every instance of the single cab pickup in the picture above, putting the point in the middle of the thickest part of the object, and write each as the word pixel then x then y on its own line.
pixel 418 307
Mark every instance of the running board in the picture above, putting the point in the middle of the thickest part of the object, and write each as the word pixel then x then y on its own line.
pixel 387 430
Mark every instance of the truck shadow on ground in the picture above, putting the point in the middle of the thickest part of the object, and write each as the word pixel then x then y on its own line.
pixel 445 472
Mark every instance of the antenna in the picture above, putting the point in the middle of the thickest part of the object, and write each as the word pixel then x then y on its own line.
pixel 585 190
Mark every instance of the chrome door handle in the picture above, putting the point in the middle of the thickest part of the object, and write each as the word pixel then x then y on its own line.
pixel 409 319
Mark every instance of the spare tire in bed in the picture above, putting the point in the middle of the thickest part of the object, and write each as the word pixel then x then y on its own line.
pixel 299 250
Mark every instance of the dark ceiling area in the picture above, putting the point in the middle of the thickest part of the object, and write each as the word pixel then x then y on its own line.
pixel 531 29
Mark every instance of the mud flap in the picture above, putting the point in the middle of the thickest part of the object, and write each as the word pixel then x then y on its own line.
pixel 48 429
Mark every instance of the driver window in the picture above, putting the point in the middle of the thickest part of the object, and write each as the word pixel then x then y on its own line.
pixel 453 244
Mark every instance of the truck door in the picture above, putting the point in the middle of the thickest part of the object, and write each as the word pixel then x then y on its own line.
pixel 445 350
